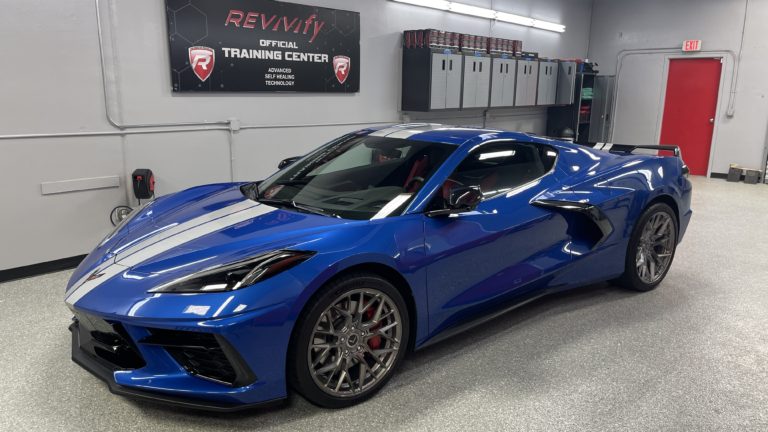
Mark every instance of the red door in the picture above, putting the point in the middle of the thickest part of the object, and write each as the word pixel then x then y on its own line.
pixel 689 109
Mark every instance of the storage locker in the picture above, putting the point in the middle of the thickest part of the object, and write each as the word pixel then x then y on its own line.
pixel 602 105
pixel 566 82
pixel 477 81
pixel 431 79
pixel 503 82
pixel 527 79
pixel 547 89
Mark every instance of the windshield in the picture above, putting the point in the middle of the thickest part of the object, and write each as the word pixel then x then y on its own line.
pixel 356 177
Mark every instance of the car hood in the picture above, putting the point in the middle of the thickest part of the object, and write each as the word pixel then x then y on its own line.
pixel 201 228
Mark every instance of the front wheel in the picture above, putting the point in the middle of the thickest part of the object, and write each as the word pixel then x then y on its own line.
pixel 349 343
pixel 651 249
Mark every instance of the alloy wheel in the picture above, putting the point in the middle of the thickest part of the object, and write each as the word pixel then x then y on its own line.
pixel 655 248
pixel 355 342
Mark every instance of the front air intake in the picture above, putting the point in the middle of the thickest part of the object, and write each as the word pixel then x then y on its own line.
pixel 204 355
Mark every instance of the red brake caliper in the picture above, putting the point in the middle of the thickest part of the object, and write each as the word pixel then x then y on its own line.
pixel 374 342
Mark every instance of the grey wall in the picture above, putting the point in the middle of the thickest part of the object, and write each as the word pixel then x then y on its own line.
pixel 54 86
pixel 637 38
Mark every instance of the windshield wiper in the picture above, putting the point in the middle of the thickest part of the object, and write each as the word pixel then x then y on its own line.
pixel 298 206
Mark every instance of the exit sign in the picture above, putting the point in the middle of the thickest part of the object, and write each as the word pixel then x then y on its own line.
pixel 692 45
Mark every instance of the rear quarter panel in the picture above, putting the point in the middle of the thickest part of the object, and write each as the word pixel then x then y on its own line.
pixel 622 187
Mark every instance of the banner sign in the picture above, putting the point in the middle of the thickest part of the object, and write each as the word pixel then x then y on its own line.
pixel 262 46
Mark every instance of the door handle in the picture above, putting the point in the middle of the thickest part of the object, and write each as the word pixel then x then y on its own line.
pixel 712 121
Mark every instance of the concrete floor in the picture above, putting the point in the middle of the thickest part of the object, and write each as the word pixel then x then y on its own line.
pixel 692 355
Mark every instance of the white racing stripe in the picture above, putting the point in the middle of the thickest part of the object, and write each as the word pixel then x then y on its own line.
pixel 415 127
pixel 142 242
pixel 153 237
pixel 106 274
pixel 194 233
pixel 167 240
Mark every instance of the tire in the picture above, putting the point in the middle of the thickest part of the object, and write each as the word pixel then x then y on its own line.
pixel 335 343
pixel 649 257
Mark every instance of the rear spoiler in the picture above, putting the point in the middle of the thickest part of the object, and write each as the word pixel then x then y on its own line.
pixel 630 148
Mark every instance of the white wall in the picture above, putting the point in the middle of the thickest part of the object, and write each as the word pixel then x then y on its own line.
pixel 52 84
pixel 624 29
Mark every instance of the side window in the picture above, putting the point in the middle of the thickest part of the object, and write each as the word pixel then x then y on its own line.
pixel 500 167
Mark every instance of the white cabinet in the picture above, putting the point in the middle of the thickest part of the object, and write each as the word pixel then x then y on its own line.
pixel 445 82
pixel 527 77
pixel 477 81
pixel 547 87
pixel 503 82
pixel 566 83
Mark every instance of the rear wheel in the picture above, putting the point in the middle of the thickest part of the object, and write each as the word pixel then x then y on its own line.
pixel 651 249
pixel 350 342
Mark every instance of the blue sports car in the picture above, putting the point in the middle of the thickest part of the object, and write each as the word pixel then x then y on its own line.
pixel 321 277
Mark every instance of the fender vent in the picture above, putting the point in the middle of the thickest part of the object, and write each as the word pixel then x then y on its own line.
pixel 587 224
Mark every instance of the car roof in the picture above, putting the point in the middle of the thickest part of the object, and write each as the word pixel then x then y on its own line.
pixel 455 135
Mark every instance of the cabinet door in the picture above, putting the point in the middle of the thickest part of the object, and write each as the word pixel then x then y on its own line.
pixel 526 87
pixel 547 83
pixel 521 85
pixel 498 82
pixel 469 97
pixel 453 80
pixel 553 75
pixel 483 82
pixel 533 82
pixel 510 71
pixel 599 123
pixel 438 82
pixel 541 92
pixel 566 83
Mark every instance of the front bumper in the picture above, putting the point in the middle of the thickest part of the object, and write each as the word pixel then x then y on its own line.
pixel 137 367
pixel 106 374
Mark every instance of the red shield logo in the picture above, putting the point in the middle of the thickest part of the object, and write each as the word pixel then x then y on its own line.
pixel 341 66
pixel 202 60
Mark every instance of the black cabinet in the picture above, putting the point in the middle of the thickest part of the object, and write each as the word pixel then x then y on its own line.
pixel 432 79
pixel 573 121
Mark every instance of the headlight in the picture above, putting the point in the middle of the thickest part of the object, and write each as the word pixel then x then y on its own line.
pixel 237 275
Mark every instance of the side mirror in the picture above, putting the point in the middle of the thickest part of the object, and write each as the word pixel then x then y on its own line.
pixel 460 199
pixel 289 161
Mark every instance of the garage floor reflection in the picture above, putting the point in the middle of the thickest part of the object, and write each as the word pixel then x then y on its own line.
pixel 692 355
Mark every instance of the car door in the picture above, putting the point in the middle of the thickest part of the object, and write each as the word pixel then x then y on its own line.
pixel 505 248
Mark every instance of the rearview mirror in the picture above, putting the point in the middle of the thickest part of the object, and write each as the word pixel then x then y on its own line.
pixel 289 161
pixel 460 199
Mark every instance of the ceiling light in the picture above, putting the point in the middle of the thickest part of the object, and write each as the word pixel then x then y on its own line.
pixel 434 4
pixel 480 12
pixel 514 19
pixel 544 25
pixel 472 10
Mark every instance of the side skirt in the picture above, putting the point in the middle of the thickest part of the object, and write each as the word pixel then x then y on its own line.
pixel 452 331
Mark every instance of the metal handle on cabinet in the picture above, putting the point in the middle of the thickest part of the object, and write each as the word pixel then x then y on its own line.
pixel 443 64
pixel 451 64
pixel 481 66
